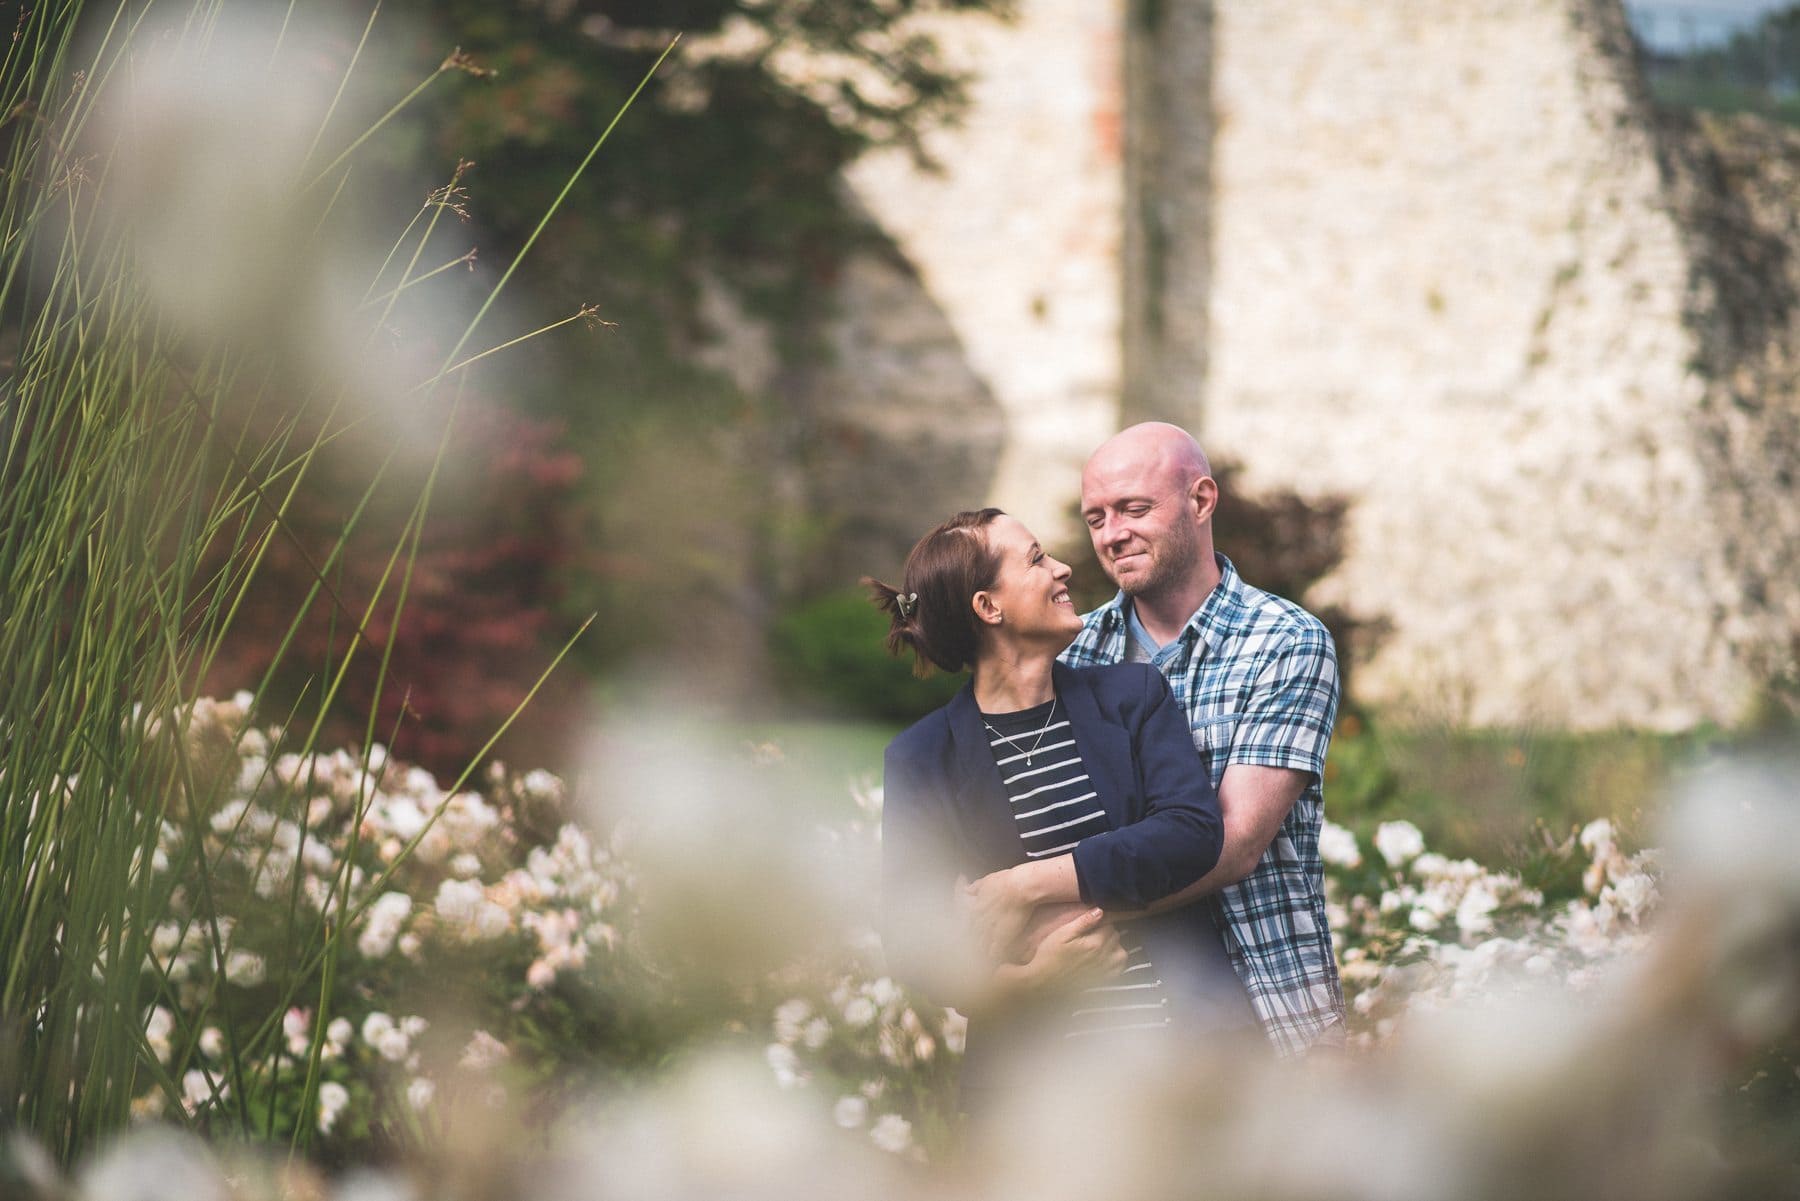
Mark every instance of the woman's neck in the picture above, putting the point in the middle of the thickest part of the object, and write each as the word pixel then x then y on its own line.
pixel 1007 681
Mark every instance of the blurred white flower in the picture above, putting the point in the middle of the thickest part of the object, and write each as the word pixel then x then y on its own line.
pixel 483 1051
pixel 783 1063
pixel 333 1097
pixel 850 1112
pixel 393 1045
pixel 860 1012
pixel 1474 911
pixel 157 1028
pixel 790 1016
pixel 892 1133
pixel 244 968
pixel 198 1088
pixel 1398 841
pixel 1337 846
pixel 296 1026
pixel 374 1026
pixel 420 1092
pixel 381 925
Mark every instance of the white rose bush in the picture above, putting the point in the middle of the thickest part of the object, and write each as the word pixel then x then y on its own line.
pixel 345 942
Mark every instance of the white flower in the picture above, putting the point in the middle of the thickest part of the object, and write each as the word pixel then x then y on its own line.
pixel 790 1015
pixel 212 1042
pixel 1473 913
pixel 860 1011
pixel 420 1092
pixel 465 907
pixel 157 1029
pixel 1597 836
pixel 783 1063
pixel 339 1032
pixel 393 1044
pixel 197 1090
pixel 244 969
pixel 332 1099
pixel 850 1112
pixel 483 1052
pixel 891 1133
pixel 816 1034
pixel 1337 845
pixel 296 1025
pixel 1398 842
pixel 382 924
pixel 1633 894
pixel 375 1026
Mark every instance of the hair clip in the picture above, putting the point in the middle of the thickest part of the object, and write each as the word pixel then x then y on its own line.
pixel 907 603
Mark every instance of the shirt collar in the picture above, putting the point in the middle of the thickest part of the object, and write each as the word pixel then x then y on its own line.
pixel 1212 622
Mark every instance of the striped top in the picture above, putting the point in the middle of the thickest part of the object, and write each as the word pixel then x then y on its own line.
pixel 1055 806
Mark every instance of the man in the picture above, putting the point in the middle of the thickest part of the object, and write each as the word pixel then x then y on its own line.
pixel 1257 676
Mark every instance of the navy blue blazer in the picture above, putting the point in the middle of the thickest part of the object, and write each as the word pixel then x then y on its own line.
pixel 945 813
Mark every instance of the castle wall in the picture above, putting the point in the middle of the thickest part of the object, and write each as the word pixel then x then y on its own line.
pixel 1447 282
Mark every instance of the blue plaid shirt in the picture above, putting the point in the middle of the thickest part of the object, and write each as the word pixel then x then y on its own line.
pixel 1258 678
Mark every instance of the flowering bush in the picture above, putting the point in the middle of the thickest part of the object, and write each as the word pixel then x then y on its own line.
pixel 352 891
pixel 485 946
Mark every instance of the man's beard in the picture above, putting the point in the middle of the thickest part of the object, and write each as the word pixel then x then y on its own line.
pixel 1168 568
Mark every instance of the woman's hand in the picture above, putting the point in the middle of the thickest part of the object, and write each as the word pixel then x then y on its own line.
pixel 1082 950
pixel 1002 903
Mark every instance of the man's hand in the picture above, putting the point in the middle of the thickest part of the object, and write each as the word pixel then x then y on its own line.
pixel 1000 911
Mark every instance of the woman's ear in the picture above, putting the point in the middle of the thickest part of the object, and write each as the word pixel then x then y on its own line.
pixel 986 611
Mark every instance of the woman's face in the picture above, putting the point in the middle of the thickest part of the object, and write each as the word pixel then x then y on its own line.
pixel 1031 592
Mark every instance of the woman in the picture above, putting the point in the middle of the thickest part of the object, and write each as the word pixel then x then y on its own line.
pixel 1055 791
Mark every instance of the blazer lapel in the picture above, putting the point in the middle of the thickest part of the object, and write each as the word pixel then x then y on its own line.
pixel 1105 748
pixel 981 804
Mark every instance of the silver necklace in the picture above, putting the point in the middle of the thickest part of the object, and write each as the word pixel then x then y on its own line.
pixel 1048 721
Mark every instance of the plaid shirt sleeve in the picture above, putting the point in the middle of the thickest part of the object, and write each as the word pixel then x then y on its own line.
pixel 1287 719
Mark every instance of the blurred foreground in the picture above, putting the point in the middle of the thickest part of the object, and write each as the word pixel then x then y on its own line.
pixel 692 1005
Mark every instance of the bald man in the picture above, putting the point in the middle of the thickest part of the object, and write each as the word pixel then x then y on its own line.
pixel 1258 678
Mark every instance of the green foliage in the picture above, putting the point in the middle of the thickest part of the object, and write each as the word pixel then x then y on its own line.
pixel 832 651
pixel 1754 71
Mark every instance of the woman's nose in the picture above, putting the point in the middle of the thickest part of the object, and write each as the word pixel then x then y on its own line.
pixel 1060 570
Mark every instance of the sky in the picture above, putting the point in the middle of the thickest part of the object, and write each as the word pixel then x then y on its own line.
pixel 1684 24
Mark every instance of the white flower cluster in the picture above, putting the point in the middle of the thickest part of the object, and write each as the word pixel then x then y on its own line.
pixel 374 845
pixel 873 1043
pixel 1445 930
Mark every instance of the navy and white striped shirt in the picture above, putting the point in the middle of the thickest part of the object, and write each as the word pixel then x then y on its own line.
pixel 1055 806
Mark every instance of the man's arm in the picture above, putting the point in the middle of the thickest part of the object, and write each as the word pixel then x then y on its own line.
pixel 1255 801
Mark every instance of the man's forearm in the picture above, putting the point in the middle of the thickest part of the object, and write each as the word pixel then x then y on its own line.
pixel 1253 801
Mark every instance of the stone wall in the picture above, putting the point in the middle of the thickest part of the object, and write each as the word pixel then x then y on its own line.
pixel 1452 282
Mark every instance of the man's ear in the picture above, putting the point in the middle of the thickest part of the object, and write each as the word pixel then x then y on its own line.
pixel 986 611
pixel 1205 497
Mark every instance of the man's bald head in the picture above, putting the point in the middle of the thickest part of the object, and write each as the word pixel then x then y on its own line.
pixel 1153 452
